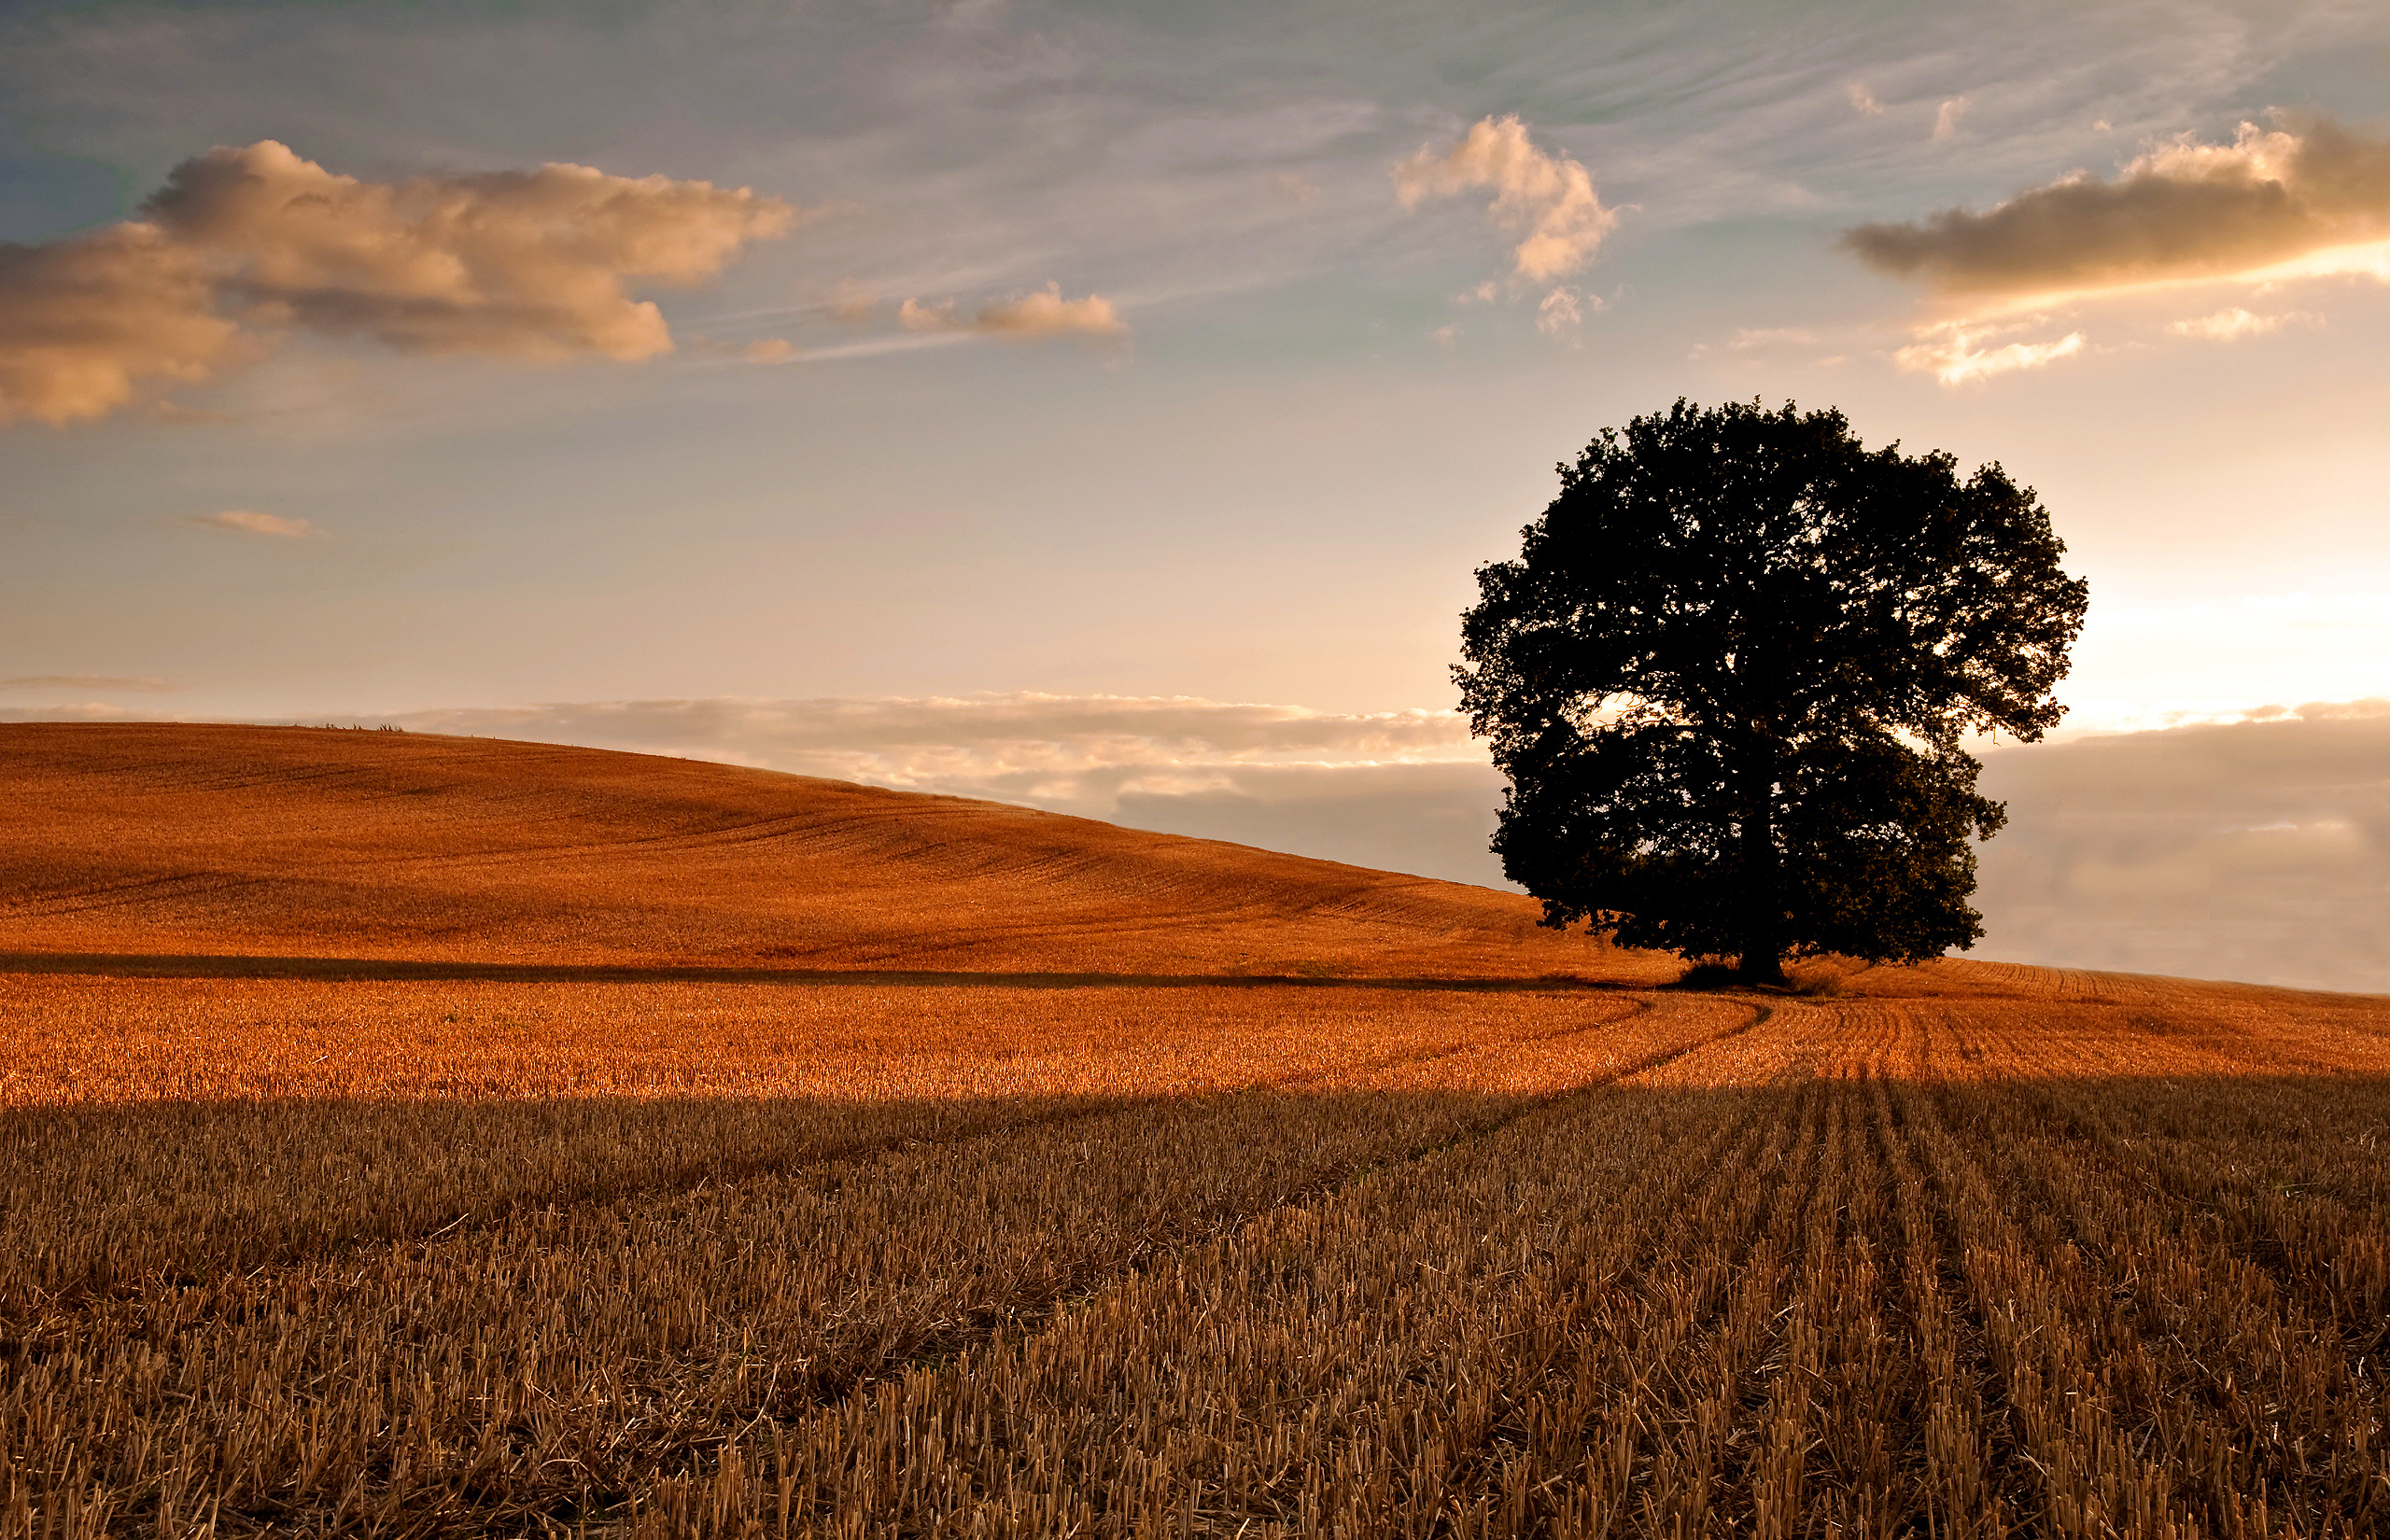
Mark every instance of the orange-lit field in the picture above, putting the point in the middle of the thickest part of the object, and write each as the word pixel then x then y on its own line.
pixel 358 1183
pixel 322 843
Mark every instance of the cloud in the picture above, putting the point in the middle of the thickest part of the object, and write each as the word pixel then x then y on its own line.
pixel 242 243
pixel 1397 791
pixel 1549 202
pixel 2273 203
pixel 2252 851
pixel 249 523
pixel 916 741
pixel 852 304
pixel 1432 820
pixel 1945 119
pixel 769 350
pixel 1560 314
pixel 1042 314
pixel 1953 352
pixel 1863 100
pixel 1401 790
pixel 1746 338
pixel 82 321
pixel 2225 325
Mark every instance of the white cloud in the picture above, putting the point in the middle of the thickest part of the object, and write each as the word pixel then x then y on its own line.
pixel 1863 100
pixel 946 741
pixel 1041 313
pixel 249 523
pixel 241 243
pixel 1945 119
pixel 1954 352
pixel 1548 202
pixel 2225 325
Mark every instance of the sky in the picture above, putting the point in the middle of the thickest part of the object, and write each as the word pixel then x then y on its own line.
pixel 1106 406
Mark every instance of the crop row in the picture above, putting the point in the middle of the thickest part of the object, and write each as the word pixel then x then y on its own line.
pixel 561 1349
pixel 1565 1265
pixel 1845 1305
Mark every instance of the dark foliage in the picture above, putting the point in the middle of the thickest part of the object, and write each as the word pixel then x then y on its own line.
pixel 1730 674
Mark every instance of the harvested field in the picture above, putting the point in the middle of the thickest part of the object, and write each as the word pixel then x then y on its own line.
pixel 172 841
pixel 1967 1250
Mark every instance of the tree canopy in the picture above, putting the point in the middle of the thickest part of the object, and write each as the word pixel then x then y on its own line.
pixel 1730 674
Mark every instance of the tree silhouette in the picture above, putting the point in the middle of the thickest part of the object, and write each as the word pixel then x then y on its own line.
pixel 1729 673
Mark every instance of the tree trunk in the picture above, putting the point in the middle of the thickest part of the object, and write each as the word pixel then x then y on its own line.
pixel 1762 962
pixel 1763 954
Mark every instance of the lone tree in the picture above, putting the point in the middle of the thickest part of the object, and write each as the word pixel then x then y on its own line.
pixel 1729 674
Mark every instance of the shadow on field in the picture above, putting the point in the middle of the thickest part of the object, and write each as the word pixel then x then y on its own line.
pixel 115 1192
pixel 208 965
pixel 578 1303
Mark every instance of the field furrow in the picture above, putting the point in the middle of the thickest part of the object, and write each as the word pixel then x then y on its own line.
pixel 416 1137
pixel 337 1133
pixel 1346 1365
pixel 571 1346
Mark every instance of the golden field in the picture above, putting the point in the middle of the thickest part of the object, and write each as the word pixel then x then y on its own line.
pixel 419 1136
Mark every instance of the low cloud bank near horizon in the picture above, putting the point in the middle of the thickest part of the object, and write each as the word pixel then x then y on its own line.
pixel 243 243
pixel 2265 205
pixel 1400 791
pixel 1403 791
pixel 2256 850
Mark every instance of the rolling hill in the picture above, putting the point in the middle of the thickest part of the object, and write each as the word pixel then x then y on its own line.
pixel 422 1135
pixel 181 841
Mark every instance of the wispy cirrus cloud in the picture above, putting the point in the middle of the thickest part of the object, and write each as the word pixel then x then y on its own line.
pixel 240 244
pixel 1042 312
